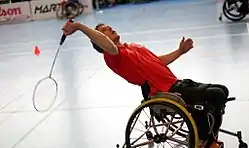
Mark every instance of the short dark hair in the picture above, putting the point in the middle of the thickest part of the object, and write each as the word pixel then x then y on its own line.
pixel 95 46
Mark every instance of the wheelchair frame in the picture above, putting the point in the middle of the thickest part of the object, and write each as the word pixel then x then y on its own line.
pixel 178 102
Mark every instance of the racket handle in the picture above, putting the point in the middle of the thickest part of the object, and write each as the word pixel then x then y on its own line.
pixel 63 37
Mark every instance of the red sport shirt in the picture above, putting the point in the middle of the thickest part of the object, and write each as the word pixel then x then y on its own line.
pixel 136 64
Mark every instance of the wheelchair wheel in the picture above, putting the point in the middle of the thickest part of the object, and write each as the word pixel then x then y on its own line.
pixel 68 10
pixel 81 9
pixel 229 13
pixel 71 9
pixel 178 99
pixel 60 11
pixel 161 132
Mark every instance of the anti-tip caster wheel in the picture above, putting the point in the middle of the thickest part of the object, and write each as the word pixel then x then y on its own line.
pixel 220 18
pixel 243 145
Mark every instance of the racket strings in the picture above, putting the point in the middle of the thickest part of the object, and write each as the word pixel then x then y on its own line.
pixel 49 77
pixel 45 91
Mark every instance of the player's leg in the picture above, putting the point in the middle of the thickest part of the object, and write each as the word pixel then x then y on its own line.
pixel 193 92
pixel 216 96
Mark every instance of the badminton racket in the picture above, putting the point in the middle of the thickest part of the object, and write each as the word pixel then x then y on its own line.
pixel 48 82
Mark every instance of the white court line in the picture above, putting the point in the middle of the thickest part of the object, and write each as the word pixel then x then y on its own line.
pixel 198 38
pixel 129 33
pixel 247 24
pixel 141 42
pixel 176 29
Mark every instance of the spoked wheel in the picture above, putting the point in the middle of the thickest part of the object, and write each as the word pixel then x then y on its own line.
pixel 81 9
pixel 68 10
pixel 230 10
pixel 71 10
pixel 175 128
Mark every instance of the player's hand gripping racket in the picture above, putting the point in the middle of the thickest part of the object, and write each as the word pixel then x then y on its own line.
pixel 44 85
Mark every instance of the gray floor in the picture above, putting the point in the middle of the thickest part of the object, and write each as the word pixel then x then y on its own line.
pixel 88 112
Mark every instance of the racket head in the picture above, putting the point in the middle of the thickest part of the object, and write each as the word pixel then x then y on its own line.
pixel 36 88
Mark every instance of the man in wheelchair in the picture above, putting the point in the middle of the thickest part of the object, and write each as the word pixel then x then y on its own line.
pixel 138 65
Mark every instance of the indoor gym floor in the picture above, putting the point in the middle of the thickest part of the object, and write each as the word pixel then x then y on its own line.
pixel 94 104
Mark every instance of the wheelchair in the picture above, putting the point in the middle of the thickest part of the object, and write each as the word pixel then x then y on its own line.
pixel 166 120
pixel 69 9
pixel 233 10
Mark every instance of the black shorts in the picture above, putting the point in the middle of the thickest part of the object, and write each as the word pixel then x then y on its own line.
pixel 194 93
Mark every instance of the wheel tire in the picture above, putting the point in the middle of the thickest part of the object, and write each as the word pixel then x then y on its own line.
pixel 76 8
pixel 230 16
pixel 81 9
pixel 243 145
pixel 174 105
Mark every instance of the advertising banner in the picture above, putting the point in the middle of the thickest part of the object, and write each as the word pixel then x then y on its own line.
pixel 15 12
pixel 44 9
pixel 47 9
